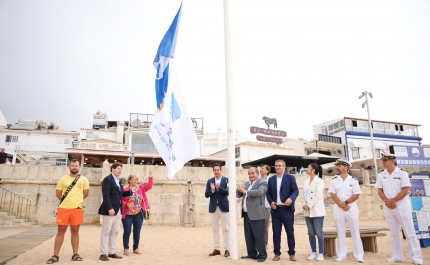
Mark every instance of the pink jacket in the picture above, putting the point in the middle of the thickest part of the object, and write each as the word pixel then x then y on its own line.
pixel 143 188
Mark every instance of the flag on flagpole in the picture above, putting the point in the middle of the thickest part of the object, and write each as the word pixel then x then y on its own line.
pixel 171 131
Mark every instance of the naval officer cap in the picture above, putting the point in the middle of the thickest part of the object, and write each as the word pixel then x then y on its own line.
pixel 389 156
pixel 342 162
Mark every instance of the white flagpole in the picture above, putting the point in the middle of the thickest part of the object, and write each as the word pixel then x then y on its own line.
pixel 230 138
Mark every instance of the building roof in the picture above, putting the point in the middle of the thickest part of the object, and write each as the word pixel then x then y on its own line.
pixel 293 160
pixel 394 122
pixel 5 129
pixel 261 144
pixel 101 141
pixel 99 130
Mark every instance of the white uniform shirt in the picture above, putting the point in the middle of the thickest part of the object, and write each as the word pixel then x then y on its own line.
pixel 266 203
pixel 392 184
pixel 344 189
pixel 246 196
pixel 278 189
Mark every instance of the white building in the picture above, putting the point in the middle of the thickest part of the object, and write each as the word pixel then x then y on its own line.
pixel 34 142
pixel 355 134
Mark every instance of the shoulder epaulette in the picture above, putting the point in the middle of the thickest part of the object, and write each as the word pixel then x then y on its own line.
pixel 354 178
pixel 335 176
pixel 402 169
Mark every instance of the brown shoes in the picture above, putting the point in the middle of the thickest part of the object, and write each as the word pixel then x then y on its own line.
pixel 215 252
pixel 104 258
pixel 114 256
pixel 276 258
pixel 227 254
pixel 292 258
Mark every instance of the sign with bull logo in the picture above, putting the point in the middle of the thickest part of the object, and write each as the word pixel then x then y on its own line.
pixel 269 121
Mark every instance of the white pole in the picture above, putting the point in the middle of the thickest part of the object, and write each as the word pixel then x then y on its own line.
pixel 230 138
pixel 371 135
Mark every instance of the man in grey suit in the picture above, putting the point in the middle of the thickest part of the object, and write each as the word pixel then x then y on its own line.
pixel 254 214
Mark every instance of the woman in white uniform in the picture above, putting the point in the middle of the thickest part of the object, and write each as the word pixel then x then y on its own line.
pixel 393 188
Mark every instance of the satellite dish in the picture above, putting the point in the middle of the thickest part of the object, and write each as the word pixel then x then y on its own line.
pixel 136 123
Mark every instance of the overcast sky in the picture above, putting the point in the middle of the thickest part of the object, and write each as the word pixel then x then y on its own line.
pixel 301 62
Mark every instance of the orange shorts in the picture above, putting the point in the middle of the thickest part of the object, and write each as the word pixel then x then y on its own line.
pixel 72 216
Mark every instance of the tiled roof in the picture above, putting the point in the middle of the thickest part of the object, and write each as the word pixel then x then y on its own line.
pixel 5 129
pixel 100 141
pixel 99 130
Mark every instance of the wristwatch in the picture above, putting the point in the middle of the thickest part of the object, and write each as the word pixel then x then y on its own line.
pixel 346 202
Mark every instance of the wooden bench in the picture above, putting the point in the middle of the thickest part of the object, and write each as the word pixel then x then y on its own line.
pixel 367 234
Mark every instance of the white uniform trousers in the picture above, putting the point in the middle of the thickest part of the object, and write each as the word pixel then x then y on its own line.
pixel 401 216
pixel 216 218
pixel 110 229
pixel 351 217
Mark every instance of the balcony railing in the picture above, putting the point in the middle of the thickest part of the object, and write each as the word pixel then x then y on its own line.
pixel 140 120
pixel 329 139
pixel 14 205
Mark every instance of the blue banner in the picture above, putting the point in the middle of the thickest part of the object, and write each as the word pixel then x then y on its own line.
pixel 411 155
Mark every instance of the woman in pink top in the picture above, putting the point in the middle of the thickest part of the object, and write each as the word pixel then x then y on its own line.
pixel 133 208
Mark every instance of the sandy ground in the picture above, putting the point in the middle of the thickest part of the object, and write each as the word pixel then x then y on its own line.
pixel 8 231
pixel 191 245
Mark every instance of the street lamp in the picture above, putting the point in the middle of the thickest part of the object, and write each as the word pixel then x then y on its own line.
pixel 366 103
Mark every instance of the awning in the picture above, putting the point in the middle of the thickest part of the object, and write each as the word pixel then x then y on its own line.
pixel 380 146
pixel 322 144
pixel 293 160
pixel 96 152
pixel 355 145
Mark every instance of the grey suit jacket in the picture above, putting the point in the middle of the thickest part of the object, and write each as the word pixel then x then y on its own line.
pixel 255 201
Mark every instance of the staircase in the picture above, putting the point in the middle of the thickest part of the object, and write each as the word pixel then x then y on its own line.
pixel 14 210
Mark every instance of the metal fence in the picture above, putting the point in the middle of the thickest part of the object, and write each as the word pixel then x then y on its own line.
pixel 13 205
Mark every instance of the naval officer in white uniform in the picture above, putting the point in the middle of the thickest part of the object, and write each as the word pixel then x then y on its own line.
pixel 393 188
pixel 345 190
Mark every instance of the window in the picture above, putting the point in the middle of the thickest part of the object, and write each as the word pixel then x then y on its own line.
pixel 142 143
pixel 62 140
pixel 91 135
pixel 390 128
pixel 355 153
pixel 348 125
pixel 11 139
pixel 378 127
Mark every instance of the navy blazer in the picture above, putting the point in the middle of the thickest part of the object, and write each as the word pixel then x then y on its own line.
pixel 218 197
pixel 288 189
pixel 112 195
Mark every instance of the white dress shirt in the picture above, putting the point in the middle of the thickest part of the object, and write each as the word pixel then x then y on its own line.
pixel 278 189
pixel 246 196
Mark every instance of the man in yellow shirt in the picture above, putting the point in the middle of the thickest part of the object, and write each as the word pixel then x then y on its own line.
pixel 70 210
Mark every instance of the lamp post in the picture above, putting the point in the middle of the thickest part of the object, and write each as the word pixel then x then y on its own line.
pixel 366 103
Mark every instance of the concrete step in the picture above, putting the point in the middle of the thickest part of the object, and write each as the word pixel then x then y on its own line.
pixel 9 223
pixel 5 223
pixel 10 217
pixel 2 214
pixel 18 220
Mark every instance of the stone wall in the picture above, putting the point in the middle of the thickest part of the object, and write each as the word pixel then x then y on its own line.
pixel 178 202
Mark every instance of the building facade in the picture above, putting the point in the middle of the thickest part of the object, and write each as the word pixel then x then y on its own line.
pixel 355 134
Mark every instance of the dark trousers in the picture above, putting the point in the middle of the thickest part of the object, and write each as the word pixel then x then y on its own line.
pixel 283 216
pixel 254 237
pixel 135 220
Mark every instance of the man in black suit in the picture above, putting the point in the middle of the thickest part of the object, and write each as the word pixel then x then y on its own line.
pixel 111 211
pixel 282 192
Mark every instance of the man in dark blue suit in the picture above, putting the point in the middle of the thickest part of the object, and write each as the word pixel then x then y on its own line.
pixel 110 210
pixel 281 193
pixel 217 191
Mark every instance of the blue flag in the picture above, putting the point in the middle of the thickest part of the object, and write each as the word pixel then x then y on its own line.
pixel 166 50
pixel 171 131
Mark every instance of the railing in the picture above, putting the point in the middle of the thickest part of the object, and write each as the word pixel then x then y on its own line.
pixel 14 205
pixel 140 120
